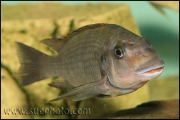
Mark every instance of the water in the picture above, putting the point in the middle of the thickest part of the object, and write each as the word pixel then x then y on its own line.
pixel 162 31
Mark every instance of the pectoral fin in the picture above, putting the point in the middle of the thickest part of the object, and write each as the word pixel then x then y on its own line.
pixel 84 91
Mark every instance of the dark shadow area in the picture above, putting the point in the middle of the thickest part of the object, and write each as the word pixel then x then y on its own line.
pixel 155 109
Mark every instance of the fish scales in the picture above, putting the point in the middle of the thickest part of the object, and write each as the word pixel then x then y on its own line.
pixel 88 50
pixel 95 60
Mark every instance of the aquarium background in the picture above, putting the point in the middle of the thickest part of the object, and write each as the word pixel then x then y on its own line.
pixel 160 24
pixel 161 29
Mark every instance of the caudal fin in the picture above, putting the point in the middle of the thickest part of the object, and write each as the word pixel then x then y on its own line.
pixel 30 70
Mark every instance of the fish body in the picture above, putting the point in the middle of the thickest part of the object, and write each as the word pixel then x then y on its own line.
pixel 102 60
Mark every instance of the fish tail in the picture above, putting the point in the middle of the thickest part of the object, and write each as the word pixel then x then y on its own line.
pixel 32 64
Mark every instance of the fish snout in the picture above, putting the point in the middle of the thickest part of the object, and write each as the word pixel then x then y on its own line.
pixel 151 69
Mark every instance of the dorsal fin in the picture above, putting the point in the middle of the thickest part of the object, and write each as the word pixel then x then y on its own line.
pixel 55 43
pixel 58 43
pixel 84 28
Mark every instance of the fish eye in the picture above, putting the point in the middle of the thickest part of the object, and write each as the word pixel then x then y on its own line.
pixel 119 51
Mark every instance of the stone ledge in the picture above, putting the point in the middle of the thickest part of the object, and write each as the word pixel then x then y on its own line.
pixel 154 110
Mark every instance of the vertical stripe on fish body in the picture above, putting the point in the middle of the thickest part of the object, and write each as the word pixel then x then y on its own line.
pixel 80 57
pixel 95 60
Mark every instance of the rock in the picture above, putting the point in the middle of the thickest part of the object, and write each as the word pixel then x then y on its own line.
pixel 30 31
pixel 152 110
pixel 170 4
pixel 53 10
pixel 157 91
pixel 11 97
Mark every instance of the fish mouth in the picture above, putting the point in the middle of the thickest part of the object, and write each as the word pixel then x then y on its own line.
pixel 152 71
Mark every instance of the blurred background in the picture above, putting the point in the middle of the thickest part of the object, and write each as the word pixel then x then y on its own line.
pixel 30 22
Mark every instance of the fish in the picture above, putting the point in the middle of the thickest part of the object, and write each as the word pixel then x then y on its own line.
pixel 96 60
pixel 160 5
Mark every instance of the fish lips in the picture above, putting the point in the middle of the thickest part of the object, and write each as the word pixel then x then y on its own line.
pixel 151 69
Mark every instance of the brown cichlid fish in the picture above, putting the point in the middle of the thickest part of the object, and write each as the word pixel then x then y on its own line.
pixel 102 60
